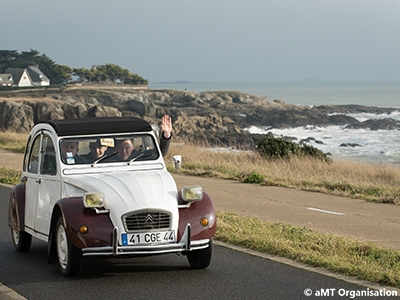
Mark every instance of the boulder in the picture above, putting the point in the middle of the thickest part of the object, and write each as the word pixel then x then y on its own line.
pixel 376 124
pixel 16 117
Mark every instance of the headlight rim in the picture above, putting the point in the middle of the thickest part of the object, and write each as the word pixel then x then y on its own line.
pixel 195 195
pixel 99 203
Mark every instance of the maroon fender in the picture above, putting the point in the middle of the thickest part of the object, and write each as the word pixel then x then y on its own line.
pixel 16 212
pixel 193 214
pixel 75 215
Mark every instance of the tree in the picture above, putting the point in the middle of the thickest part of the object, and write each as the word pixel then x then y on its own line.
pixel 7 58
pixel 63 72
pixel 135 79
pixel 27 58
pixel 48 67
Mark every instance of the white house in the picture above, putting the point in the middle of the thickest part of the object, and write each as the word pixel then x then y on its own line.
pixel 20 77
pixel 6 80
pixel 31 76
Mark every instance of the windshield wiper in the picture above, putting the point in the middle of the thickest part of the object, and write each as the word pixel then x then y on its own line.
pixel 142 155
pixel 104 157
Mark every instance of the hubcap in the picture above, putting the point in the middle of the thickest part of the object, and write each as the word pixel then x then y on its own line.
pixel 16 236
pixel 62 247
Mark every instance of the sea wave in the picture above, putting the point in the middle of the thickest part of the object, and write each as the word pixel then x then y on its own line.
pixel 380 146
pixel 361 117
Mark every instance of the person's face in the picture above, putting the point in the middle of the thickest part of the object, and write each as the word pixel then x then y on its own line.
pixel 97 150
pixel 124 149
pixel 69 147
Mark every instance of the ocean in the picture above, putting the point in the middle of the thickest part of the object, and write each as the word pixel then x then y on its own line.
pixel 382 146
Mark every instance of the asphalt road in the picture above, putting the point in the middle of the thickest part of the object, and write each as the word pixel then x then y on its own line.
pixel 231 275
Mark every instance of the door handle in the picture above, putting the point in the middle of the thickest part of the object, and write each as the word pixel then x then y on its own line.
pixel 39 181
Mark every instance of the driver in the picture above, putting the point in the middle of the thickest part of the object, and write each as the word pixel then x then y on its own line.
pixel 126 150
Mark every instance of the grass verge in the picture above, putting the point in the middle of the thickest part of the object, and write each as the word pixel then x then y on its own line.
pixel 13 141
pixel 9 176
pixel 363 260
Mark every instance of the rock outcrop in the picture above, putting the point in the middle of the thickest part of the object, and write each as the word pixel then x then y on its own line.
pixel 218 118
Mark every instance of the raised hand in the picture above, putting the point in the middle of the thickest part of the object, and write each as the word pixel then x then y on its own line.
pixel 166 126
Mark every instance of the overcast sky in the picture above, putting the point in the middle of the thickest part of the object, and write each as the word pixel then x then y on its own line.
pixel 214 40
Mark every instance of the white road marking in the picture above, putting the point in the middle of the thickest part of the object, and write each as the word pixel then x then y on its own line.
pixel 325 211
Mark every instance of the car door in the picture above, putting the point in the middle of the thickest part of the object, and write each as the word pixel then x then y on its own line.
pixel 31 183
pixel 42 184
pixel 48 185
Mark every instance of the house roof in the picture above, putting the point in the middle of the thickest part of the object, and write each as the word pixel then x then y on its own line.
pixel 36 75
pixel 16 73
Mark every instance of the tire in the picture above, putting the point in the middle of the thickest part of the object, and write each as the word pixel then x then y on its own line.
pixel 21 240
pixel 200 259
pixel 69 257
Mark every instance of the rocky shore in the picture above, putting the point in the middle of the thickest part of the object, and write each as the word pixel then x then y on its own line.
pixel 216 118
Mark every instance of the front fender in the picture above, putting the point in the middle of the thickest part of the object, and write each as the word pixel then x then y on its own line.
pixel 193 214
pixel 75 215
pixel 16 208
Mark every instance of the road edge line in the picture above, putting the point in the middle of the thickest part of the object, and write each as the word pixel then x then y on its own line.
pixel 7 293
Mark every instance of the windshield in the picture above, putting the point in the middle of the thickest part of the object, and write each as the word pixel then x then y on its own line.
pixel 106 149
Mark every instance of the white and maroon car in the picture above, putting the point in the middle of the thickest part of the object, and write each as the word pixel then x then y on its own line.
pixel 106 207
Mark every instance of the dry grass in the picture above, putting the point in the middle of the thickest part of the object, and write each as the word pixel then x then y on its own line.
pixel 364 260
pixel 372 182
pixel 13 141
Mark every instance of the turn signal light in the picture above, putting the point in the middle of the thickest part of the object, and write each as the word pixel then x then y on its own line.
pixel 204 221
pixel 83 229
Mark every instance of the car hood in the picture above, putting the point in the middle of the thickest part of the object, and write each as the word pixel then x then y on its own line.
pixel 130 191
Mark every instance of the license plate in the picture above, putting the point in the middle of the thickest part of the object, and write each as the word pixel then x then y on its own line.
pixel 154 237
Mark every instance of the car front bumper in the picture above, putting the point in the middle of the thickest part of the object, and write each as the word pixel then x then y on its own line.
pixel 185 244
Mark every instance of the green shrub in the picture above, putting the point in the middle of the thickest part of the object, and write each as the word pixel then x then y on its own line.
pixel 254 178
pixel 283 148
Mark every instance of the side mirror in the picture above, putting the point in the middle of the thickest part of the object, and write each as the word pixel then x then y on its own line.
pixel 177 160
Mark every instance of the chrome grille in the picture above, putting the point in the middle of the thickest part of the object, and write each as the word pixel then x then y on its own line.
pixel 147 221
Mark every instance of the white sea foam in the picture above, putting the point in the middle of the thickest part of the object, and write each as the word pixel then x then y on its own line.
pixel 381 146
pixel 361 117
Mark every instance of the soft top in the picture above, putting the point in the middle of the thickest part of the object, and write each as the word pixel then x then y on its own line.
pixel 98 125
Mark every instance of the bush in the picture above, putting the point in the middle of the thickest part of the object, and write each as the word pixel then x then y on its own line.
pixel 282 148
pixel 254 178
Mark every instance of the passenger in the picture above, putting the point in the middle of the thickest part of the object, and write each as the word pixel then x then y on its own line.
pixel 97 150
pixel 166 134
pixel 69 152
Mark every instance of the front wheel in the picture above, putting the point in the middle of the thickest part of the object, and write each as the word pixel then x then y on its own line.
pixel 200 259
pixel 69 257
pixel 21 240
